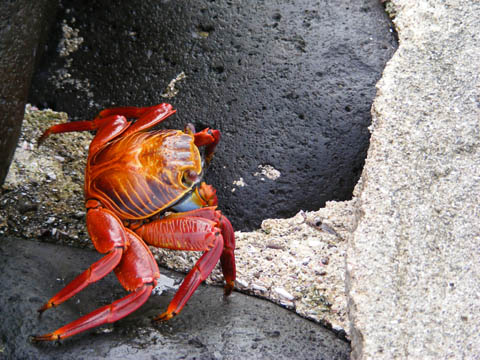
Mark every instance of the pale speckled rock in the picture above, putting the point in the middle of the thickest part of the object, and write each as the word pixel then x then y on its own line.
pixel 413 273
pixel 298 262
pixel 42 196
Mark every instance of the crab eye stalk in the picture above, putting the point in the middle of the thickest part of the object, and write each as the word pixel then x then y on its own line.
pixel 189 129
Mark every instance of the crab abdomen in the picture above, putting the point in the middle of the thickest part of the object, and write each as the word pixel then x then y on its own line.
pixel 141 174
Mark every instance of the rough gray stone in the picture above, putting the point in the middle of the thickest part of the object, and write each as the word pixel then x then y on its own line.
pixel 413 272
pixel 21 25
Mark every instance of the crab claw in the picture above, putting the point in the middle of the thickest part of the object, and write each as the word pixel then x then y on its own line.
pixel 209 194
pixel 208 138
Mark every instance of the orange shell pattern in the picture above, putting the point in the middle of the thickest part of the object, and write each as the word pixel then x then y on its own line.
pixel 140 175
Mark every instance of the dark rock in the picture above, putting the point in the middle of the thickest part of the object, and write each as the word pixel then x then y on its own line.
pixel 208 328
pixel 26 206
pixel 288 83
pixel 22 24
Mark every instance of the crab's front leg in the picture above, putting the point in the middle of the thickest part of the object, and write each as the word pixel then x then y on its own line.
pixel 227 259
pixel 197 230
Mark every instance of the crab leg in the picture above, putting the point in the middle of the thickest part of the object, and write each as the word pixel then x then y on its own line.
pixel 150 118
pixel 113 122
pixel 110 127
pixel 106 314
pixel 108 236
pixel 94 273
pixel 227 259
pixel 131 111
pixel 147 116
pixel 137 272
pixel 185 232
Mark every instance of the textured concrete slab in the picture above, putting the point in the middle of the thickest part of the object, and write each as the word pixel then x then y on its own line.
pixel 413 272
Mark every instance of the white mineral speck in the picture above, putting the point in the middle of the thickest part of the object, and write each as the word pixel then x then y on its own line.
pixel 241 283
pixel 288 304
pixel 164 283
pixel 70 41
pixel 314 242
pixel 284 294
pixel 171 91
pixel 239 182
pixel 268 171
pixel 105 330
pixel 260 288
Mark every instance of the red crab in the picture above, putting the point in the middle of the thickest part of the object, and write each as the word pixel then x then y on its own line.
pixel 133 176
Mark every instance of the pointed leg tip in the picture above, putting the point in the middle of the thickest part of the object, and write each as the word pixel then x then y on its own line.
pixel 40 141
pixel 36 338
pixel 43 137
pixel 43 308
pixel 228 289
pixel 164 317
pixel 46 337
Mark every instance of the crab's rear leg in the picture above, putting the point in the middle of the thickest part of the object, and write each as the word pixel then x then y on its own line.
pixel 113 122
pixel 106 314
pixel 137 272
pixel 147 117
pixel 133 111
pixel 107 128
pixel 109 237
pixel 94 273
pixel 186 232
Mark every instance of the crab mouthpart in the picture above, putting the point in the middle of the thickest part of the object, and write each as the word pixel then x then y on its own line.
pixel 202 196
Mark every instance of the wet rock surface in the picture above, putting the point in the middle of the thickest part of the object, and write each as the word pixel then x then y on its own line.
pixel 289 84
pixel 208 328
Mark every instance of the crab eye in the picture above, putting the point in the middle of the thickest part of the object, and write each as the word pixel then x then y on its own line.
pixel 189 129
pixel 189 177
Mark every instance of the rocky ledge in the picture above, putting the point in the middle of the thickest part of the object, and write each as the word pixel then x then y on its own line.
pixel 413 275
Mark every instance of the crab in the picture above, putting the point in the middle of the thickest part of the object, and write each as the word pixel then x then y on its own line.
pixel 144 188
